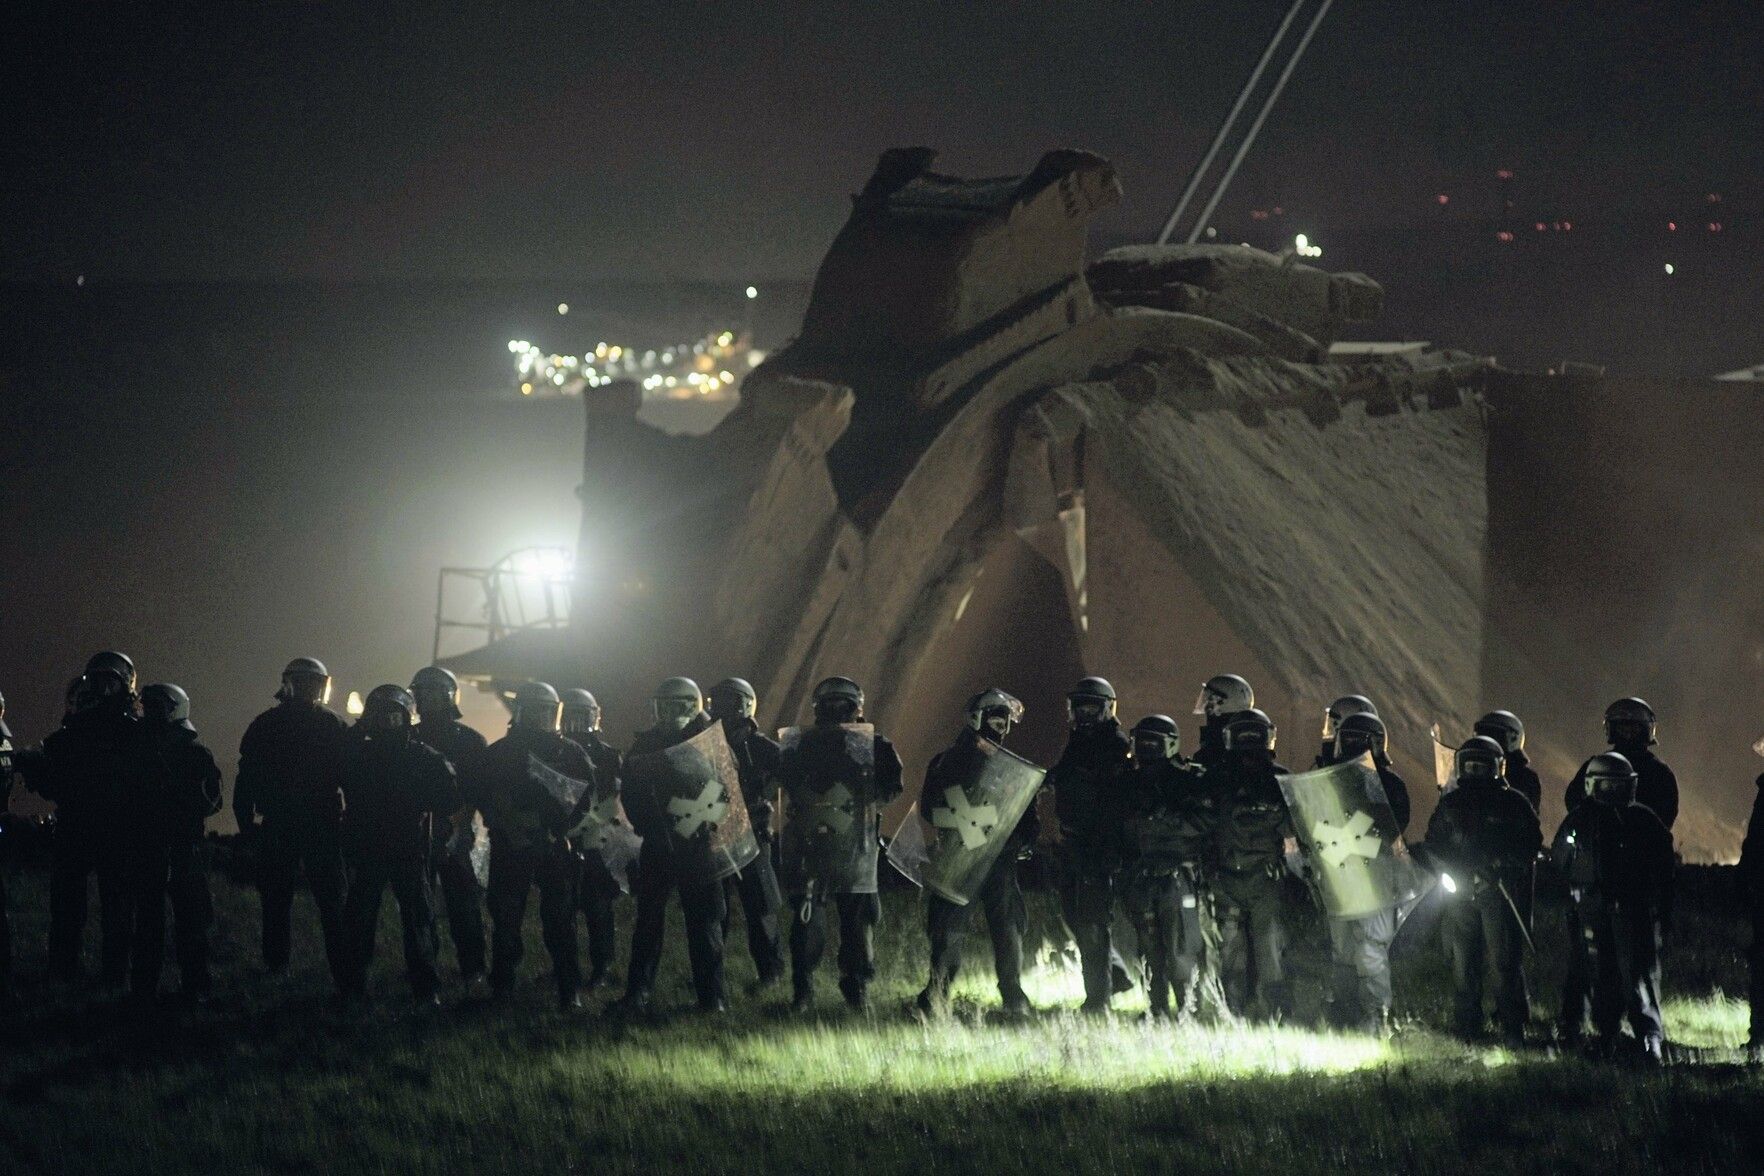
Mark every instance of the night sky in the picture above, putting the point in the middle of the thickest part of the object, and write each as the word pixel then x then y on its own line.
pixel 337 142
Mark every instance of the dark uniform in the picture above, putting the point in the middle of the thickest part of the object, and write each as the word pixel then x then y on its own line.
pixel 1172 821
pixel 596 888
pixel 757 758
pixel 1486 836
pixel 1088 805
pixel 97 769
pixel 1619 864
pixel 527 849
pixel 394 788
pixel 1211 748
pixel 1250 857
pixel 288 763
pixel 1001 896
pixel 449 856
pixel 1656 785
pixel 1751 871
pixel 806 772
pixel 1657 788
pixel 172 864
pixel 1522 778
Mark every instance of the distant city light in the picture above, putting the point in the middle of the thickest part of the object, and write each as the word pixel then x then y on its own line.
pixel 753 292
pixel 1505 173
pixel 1503 235
pixel 1442 199
pixel 1670 269
pixel 1672 226
pixel 1301 245
pixel 355 705
pixel 563 308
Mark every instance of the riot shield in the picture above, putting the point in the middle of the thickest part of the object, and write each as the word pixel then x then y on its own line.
pixel 909 850
pixel 695 790
pixel 973 821
pixel 1350 838
pixel 604 833
pixel 1445 761
pixel 832 819
pixel 566 791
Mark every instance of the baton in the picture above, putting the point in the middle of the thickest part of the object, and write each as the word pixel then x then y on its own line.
pixel 1514 907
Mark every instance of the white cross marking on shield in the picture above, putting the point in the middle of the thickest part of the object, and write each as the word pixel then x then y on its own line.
pixel 1337 843
pixel 972 821
pixel 693 815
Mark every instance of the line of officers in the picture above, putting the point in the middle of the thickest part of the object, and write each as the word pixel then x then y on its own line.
pixel 1198 850
pixel 1193 850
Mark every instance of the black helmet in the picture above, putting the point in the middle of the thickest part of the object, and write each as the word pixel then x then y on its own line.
pixel 388 708
pixel 581 711
pixel 1341 708
pixel 1250 730
pixel 994 704
pixel 436 691
pixel 96 688
pixel 119 663
pixel 535 707
pixel 1159 736
pixel 1629 721
pixel 1610 778
pixel 1504 728
pixel 1360 733
pixel 1091 701
pixel 1480 758
pixel 733 698
pixel 676 701
pixel 163 704
pixel 838 700
pixel 1224 694
pixel 305 679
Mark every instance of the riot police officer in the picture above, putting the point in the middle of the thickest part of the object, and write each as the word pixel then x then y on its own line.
pixel 679 716
pixel 1360 948
pixel 597 888
pixel 97 769
pixel 512 783
pixel 733 703
pixel 1617 858
pixel 1088 800
pixel 7 767
pixel 1751 876
pixel 1221 696
pixel 436 692
pixel 171 862
pixel 1254 835
pixel 1484 838
pixel 288 762
pixel 835 778
pixel 991 715
pixel 394 788
pixel 1631 729
pixel 1172 817
pixel 1505 729
pixel 1334 715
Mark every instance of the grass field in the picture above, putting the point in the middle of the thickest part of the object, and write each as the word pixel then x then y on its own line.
pixel 268 1078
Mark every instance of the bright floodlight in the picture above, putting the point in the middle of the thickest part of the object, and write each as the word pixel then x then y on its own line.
pixel 563 308
pixel 1450 883
pixel 1301 245
pixel 753 292
pixel 355 705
